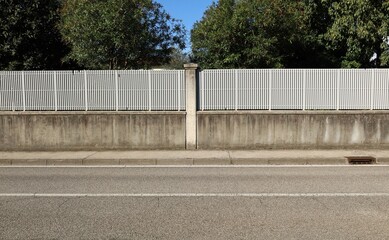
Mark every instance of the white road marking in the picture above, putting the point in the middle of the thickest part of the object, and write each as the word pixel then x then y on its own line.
pixel 267 195
pixel 197 166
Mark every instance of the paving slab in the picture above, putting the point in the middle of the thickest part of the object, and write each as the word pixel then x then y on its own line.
pixel 63 162
pixel 138 162
pixel 92 161
pixel 28 162
pixel 46 155
pixel 182 161
pixel 212 161
pixel 383 160
pixel 327 161
pixel 249 161
pixel 5 162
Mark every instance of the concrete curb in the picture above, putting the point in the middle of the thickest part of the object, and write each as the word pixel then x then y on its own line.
pixel 188 158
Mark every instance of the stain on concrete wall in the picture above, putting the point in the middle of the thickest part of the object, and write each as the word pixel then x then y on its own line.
pixel 314 130
pixel 91 131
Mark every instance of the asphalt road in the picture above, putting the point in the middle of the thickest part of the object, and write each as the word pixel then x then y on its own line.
pixel 266 202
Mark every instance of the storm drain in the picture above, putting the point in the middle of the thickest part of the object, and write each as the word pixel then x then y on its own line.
pixel 357 160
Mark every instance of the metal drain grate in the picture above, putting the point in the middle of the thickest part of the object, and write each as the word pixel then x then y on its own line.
pixel 357 160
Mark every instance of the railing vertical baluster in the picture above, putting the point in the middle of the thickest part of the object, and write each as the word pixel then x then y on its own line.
pixel 338 90
pixel 149 78
pixel 387 93
pixel 55 92
pixel 86 90
pixel 304 88
pixel 117 90
pixel 202 91
pixel 236 89
pixel 1 98
pixel 179 91
pixel 270 88
pixel 372 89
pixel 24 92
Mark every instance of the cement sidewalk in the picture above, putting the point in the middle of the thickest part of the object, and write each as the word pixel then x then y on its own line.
pixel 199 157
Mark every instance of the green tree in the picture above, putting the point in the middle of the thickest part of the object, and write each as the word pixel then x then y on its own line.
pixel 212 37
pixel 256 34
pixel 29 37
pixel 359 28
pixel 312 51
pixel 293 34
pixel 120 34
pixel 271 33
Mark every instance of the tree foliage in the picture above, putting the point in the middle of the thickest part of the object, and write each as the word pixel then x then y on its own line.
pixel 29 37
pixel 212 43
pixel 124 34
pixel 251 33
pixel 120 34
pixel 360 28
pixel 292 34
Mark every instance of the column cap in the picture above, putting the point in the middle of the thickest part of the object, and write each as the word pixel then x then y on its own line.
pixel 191 66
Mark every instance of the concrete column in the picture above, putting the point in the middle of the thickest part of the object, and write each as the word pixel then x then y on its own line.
pixel 191 108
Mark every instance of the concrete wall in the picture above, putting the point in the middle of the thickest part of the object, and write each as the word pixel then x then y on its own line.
pixel 285 129
pixel 215 130
pixel 91 130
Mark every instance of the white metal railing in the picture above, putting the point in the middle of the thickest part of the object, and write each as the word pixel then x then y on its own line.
pixel 294 89
pixel 232 89
pixel 133 90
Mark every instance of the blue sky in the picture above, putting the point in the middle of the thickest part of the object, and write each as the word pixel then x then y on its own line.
pixel 189 11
